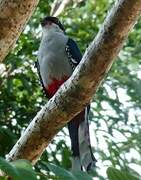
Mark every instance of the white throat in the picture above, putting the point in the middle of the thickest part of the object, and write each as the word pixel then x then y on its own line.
pixel 50 29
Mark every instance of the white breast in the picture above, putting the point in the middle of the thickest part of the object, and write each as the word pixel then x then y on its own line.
pixel 52 57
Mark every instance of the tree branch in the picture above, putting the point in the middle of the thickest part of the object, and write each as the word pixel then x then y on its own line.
pixel 76 92
pixel 13 17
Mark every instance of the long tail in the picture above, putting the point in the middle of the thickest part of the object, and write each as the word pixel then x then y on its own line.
pixel 82 156
pixel 87 158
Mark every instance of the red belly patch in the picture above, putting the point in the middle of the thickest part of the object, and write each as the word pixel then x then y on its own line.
pixel 54 85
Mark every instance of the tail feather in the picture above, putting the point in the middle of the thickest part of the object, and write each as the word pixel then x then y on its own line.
pixel 82 156
pixel 87 158
pixel 76 164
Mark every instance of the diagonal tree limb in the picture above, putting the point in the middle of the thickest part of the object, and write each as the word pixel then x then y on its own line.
pixel 76 93
pixel 13 17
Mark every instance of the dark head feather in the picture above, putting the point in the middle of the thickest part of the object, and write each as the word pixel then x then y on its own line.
pixel 54 20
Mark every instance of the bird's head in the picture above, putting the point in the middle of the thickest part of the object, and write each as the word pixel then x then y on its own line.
pixel 52 23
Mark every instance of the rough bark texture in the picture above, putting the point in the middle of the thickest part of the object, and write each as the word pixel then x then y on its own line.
pixel 13 17
pixel 76 93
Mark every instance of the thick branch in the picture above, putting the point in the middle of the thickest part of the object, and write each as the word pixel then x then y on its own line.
pixel 76 93
pixel 13 17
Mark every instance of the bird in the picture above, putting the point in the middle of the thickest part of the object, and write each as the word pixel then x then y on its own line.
pixel 58 56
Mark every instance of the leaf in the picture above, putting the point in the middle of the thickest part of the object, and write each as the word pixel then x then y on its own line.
pixel 26 174
pixel 60 172
pixel 82 175
pixel 25 169
pixel 19 170
pixel 21 163
pixel 115 174
pixel 8 168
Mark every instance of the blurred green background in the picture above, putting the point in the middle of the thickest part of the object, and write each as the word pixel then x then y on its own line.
pixel 115 110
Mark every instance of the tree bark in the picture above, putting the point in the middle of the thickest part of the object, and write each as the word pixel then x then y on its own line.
pixel 77 91
pixel 13 17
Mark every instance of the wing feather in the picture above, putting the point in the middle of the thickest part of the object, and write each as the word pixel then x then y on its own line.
pixel 73 52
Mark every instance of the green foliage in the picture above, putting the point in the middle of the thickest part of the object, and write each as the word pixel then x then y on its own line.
pixel 114 174
pixel 66 175
pixel 60 172
pixel 19 170
pixel 22 169
pixel 115 111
